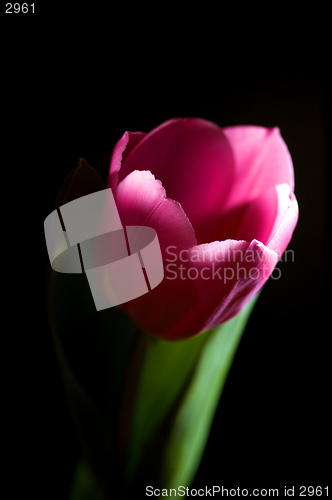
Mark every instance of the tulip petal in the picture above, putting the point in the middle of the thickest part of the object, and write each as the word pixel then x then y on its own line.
pixel 142 201
pixel 228 275
pixel 203 287
pixel 121 150
pixel 259 216
pixel 282 235
pixel 251 271
pixel 264 215
pixel 261 160
pixel 255 205
pixel 193 159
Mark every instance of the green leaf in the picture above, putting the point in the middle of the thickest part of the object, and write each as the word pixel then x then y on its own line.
pixel 84 486
pixel 194 417
pixel 177 394
pixel 166 368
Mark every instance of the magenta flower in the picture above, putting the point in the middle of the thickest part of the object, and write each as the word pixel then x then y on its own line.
pixel 222 203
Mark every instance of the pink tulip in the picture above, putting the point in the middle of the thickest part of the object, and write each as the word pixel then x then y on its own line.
pixel 222 204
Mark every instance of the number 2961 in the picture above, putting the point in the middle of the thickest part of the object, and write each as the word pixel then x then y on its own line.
pixel 18 8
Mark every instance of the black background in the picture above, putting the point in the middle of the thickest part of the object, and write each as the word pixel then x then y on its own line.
pixel 66 97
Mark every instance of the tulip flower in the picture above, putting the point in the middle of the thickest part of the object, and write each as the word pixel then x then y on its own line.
pixel 223 206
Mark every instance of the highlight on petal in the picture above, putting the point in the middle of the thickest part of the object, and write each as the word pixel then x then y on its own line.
pixel 142 201
pixel 261 160
pixel 121 150
pixel 280 239
pixel 284 201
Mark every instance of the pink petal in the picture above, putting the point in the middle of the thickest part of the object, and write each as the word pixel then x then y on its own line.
pixel 141 201
pixel 264 214
pixel 261 160
pixel 281 236
pixel 252 271
pixel 203 287
pixel 237 272
pixel 193 160
pixel 121 150
pixel 255 205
